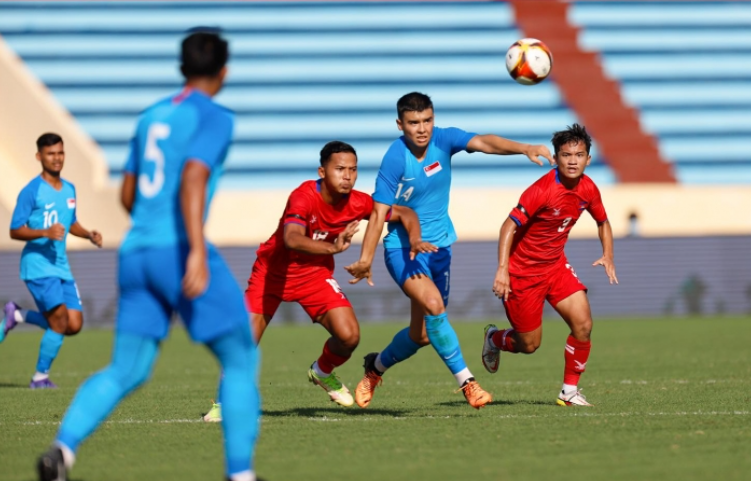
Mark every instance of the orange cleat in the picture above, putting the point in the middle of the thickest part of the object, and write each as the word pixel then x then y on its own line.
pixel 476 396
pixel 366 387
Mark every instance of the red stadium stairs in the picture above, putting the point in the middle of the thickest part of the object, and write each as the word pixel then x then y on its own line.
pixel 631 153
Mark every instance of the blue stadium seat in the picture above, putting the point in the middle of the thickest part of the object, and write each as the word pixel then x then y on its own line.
pixel 300 75
pixel 687 68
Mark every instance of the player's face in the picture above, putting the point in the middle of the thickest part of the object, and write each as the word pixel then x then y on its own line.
pixel 340 173
pixel 417 127
pixel 572 159
pixel 52 158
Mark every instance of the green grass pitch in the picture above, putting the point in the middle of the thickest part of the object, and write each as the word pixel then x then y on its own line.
pixel 673 401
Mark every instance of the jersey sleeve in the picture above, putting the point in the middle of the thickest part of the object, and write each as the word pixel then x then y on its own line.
pixel 531 201
pixel 596 208
pixel 367 207
pixel 298 209
pixel 392 167
pixel 74 218
pixel 453 140
pixel 131 163
pixel 24 205
pixel 212 138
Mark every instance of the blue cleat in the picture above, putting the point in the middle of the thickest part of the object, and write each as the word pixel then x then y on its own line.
pixel 42 384
pixel 9 319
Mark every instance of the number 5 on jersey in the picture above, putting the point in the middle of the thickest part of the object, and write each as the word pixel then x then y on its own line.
pixel 150 187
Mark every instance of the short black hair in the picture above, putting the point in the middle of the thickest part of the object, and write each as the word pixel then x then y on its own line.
pixel 48 140
pixel 575 133
pixel 413 102
pixel 204 54
pixel 335 147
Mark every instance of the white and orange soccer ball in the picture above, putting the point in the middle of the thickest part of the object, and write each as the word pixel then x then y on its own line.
pixel 529 61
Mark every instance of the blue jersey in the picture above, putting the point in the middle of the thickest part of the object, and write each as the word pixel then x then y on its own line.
pixel 187 126
pixel 422 186
pixel 39 206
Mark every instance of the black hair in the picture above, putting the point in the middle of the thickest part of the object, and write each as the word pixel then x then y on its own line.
pixel 203 54
pixel 575 133
pixel 335 147
pixel 413 102
pixel 48 140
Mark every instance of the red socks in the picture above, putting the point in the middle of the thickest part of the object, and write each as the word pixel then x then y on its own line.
pixel 328 360
pixel 504 340
pixel 576 355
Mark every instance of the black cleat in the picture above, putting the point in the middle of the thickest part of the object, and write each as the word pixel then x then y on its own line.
pixel 51 466
pixel 369 363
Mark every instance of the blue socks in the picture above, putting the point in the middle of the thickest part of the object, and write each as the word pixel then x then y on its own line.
pixel 36 318
pixel 48 349
pixel 132 361
pixel 241 402
pixel 402 347
pixel 443 339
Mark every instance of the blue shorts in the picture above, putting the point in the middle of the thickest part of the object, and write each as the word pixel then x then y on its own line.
pixel 50 292
pixel 150 282
pixel 437 266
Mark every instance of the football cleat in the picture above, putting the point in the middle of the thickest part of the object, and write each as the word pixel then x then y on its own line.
pixel 491 355
pixel 51 466
pixel 42 384
pixel 575 399
pixel 337 391
pixel 215 413
pixel 476 396
pixel 371 380
pixel 9 319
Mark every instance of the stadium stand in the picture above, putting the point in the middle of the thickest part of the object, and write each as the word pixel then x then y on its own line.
pixel 301 74
pixel 687 68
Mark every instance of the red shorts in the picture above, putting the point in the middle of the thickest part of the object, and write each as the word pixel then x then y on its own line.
pixel 528 295
pixel 317 294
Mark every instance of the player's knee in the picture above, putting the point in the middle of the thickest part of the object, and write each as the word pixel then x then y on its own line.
pixel 350 341
pixel 73 329
pixel 434 306
pixel 528 346
pixel 582 331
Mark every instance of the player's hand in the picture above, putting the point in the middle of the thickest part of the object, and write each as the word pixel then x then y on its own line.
pixel 360 270
pixel 420 247
pixel 196 277
pixel 607 263
pixel 534 152
pixel 344 240
pixel 96 238
pixel 55 232
pixel 502 284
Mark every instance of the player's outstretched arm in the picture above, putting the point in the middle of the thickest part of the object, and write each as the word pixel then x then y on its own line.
pixel 295 239
pixel 606 239
pixel 361 269
pixel 502 281
pixel 411 223
pixel 128 191
pixel 192 203
pixel 78 230
pixel 493 144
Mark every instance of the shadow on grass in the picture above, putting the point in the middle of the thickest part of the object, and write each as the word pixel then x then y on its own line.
pixel 8 385
pixel 314 412
pixel 500 402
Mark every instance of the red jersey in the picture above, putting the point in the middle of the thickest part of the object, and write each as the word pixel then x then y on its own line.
pixel 322 222
pixel 545 215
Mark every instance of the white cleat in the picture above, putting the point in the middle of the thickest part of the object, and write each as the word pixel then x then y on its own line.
pixel 215 414
pixel 575 399
pixel 491 355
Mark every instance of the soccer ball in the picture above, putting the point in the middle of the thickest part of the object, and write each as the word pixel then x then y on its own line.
pixel 529 61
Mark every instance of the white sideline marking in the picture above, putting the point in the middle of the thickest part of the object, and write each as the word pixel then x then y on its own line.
pixel 118 421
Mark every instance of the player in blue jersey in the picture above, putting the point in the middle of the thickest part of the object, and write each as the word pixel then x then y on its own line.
pixel 44 215
pixel 416 172
pixel 166 266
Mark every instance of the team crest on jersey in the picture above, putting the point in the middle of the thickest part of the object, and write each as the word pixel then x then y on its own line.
pixel 71 203
pixel 433 168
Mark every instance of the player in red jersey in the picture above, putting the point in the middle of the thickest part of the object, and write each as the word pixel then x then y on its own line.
pixel 296 264
pixel 532 266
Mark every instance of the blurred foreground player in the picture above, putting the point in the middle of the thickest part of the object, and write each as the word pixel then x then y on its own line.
pixel 296 264
pixel 166 266
pixel 44 215
pixel 532 266
pixel 416 172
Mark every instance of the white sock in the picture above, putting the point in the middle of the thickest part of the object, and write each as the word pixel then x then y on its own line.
pixel 244 476
pixel 568 389
pixel 462 376
pixel 20 315
pixel 379 365
pixel 69 457
pixel 318 371
pixel 39 376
